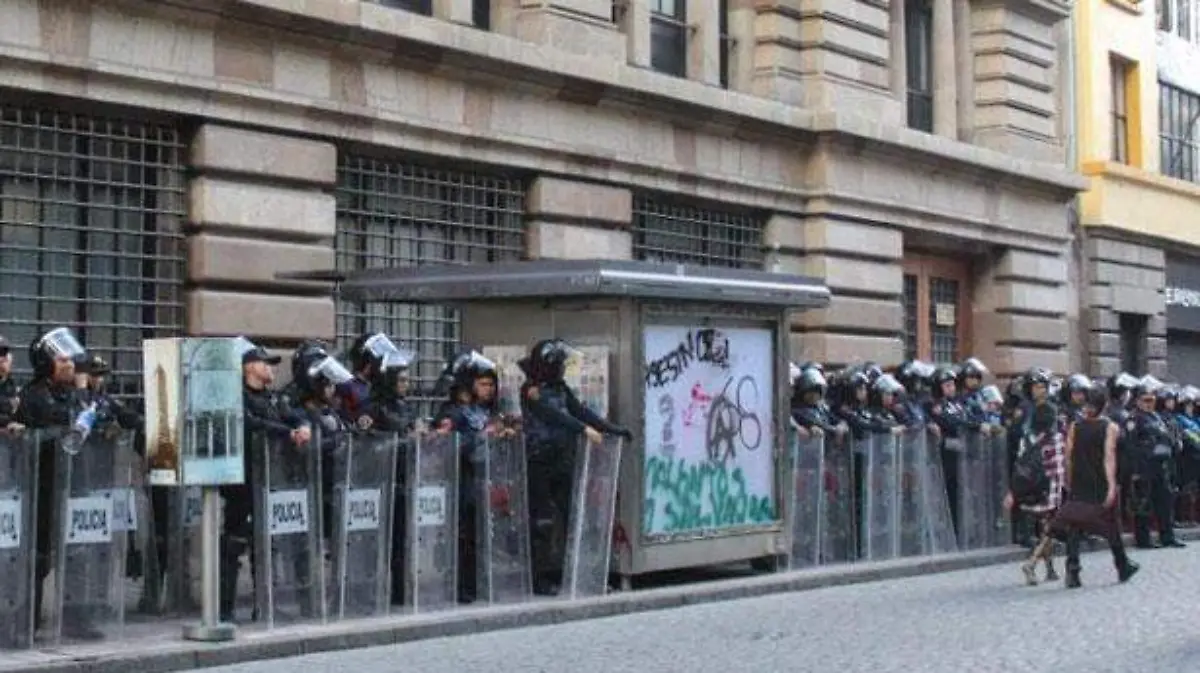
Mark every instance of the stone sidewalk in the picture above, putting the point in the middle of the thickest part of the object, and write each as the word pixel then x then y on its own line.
pixel 158 647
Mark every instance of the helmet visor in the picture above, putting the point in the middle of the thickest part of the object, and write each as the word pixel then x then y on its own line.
pixel 60 343
pixel 397 359
pixel 331 370
pixel 380 346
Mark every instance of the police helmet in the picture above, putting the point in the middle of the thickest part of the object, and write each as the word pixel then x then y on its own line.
pixel 547 360
pixel 809 380
pixel 462 371
pixel 972 368
pixel 57 343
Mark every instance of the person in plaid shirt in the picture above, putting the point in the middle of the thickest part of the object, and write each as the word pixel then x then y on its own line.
pixel 1044 435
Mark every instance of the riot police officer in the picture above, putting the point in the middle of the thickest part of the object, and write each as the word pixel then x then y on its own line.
pixel 109 409
pixel 368 355
pixel 809 410
pixel 470 381
pixel 1189 455
pixel 970 380
pixel 52 400
pixel 554 420
pixel 316 375
pixel 1075 397
pixel 885 392
pixel 1152 448
pixel 391 411
pixel 9 399
pixel 914 376
pixel 947 410
pixel 267 417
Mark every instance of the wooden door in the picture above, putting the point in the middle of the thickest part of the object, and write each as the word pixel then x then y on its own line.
pixel 937 308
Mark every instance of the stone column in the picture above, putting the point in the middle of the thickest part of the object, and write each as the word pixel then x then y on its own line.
pixel 583 27
pixel 260 204
pixel 456 11
pixel 704 41
pixel 635 24
pixel 965 73
pixel 578 220
pixel 945 84
pixel 1020 313
pixel 898 51
pixel 1122 278
pixel 741 51
pixel 861 265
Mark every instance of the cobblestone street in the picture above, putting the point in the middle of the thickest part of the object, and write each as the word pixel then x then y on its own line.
pixel 980 620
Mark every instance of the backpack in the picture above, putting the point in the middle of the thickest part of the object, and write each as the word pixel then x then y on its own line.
pixel 1029 483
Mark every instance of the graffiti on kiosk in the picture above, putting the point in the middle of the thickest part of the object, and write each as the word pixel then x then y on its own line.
pixel 706 420
pixel 709 346
pixel 685 496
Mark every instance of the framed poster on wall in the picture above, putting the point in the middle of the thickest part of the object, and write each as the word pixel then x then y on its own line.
pixel 709 435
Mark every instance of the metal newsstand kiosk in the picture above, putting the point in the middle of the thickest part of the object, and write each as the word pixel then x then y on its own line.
pixel 679 504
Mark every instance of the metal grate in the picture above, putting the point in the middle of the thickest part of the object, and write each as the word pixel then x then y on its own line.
pixel 944 338
pixel 1179 132
pixel 392 213
pixel 676 233
pixel 911 321
pixel 91 234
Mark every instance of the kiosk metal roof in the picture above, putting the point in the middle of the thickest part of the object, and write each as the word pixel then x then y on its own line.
pixel 546 279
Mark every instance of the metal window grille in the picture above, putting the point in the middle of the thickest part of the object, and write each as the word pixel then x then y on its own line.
pixel 678 233
pixel 943 338
pixel 918 36
pixel 393 213
pixel 911 320
pixel 668 37
pixel 1120 110
pixel 91 234
pixel 1179 125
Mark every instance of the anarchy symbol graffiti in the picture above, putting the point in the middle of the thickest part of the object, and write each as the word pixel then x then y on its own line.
pixel 731 423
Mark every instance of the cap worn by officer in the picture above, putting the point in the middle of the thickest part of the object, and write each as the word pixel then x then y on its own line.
pixel 260 354
pixel 4 347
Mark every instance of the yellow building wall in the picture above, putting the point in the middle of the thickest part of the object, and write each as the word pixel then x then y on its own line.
pixel 1134 197
pixel 1102 28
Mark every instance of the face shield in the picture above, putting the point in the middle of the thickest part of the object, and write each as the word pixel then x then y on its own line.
pixel 60 343
pixel 1151 384
pixel 379 346
pixel 331 370
pixel 475 361
pixel 793 373
pixel 975 367
pixel 888 385
pixel 922 370
pixel 242 345
pixel 397 359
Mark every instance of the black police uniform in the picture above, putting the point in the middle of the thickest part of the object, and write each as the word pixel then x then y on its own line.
pixel 470 422
pixel 45 406
pixel 267 417
pixel 391 413
pixel 554 420
pixel 1152 447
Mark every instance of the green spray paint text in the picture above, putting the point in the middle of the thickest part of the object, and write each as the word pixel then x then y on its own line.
pixel 686 496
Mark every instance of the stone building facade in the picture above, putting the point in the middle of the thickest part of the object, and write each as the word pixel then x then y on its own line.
pixel 911 153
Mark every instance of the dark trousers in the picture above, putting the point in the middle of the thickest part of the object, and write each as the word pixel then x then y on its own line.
pixel 399 541
pixel 237 538
pixel 950 463
pixel 1152 483
pixel 468 501
pixel 1104 526
pixel 550 493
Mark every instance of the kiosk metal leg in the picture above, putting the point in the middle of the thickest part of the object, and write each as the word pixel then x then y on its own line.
pixel 210 629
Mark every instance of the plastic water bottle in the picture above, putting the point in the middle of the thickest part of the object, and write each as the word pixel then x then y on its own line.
pixel 80 429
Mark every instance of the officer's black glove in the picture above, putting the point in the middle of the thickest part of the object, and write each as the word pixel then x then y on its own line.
pixel 625 434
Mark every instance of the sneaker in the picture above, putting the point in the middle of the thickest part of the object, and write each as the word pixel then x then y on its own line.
pixel 1030 573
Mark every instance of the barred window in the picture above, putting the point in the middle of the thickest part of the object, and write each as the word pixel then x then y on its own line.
pixel 393 213
pixel 1179 128
pixel 668 37
pixel 669 231
pixel 918 37
pixel 91 234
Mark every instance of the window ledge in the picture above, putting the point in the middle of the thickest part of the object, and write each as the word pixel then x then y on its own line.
pixel 1135 7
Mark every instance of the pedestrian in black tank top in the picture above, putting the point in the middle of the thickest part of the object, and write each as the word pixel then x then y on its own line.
pixel 1092 488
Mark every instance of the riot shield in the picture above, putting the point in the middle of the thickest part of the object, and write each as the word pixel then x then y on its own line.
pixel 838 527
pixel 431 581
pixel 91 492
pixel 913 519
pixel 18 519
pixel 593 506
pixel 997 449
pixel 974 491
pixel 880 493
pixel 289 550
pixel 503 567
pixel 360 509
pixel 135 518
pixel 184 509
pixel 808 499
pixel 939 525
